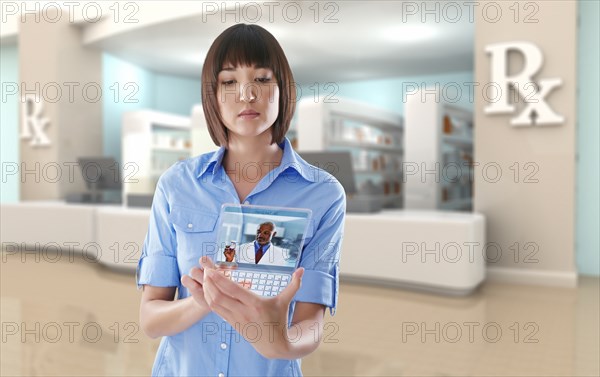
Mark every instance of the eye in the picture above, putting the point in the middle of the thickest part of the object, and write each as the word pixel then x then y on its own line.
pixel 263 79
pixel 227 82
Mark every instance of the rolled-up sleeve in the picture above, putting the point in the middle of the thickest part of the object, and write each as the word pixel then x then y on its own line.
pixel 321 256
pixel 158 261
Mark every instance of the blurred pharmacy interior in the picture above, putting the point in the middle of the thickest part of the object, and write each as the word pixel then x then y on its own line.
pixel 466 136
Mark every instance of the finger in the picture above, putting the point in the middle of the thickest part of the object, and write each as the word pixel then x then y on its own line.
pixel 192 285
pixel 233 289
pixel 197 274
pixel 214 304
pixel 208 292
pixel 289 292
pixel 219 300
pixel 219 280
pixel 206 262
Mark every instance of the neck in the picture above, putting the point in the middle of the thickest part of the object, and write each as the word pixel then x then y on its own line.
pixel 257 151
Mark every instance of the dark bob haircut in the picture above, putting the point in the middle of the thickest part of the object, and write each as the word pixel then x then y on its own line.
pixel 246 45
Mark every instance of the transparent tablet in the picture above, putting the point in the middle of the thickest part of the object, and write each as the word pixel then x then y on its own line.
pixel 260 246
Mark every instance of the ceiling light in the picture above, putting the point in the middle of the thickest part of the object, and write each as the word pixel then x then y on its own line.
pixel 409 33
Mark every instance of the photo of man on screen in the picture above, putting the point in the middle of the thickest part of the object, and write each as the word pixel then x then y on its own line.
pixel 262 250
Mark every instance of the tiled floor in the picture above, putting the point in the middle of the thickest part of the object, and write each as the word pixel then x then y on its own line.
pixel 77 318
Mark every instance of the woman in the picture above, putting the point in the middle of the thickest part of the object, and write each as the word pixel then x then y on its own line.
pixel 217 327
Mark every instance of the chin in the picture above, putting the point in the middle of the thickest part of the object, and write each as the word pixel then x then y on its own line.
pixel 249 131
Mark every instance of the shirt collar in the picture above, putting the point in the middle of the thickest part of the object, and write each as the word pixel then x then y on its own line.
pixel 214 162
pixel 257 246
pixel 290 160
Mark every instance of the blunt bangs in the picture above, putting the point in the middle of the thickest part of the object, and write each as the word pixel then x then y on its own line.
pixel 247 45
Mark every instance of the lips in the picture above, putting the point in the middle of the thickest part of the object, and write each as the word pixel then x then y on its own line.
pixel 248 113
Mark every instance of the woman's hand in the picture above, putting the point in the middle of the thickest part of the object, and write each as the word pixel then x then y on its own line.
pixel 240 307
pixel 194 283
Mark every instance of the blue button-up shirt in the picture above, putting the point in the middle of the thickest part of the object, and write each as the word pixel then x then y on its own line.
pixel 183 227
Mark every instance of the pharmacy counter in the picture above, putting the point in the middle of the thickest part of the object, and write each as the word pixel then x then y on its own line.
pixel 434 250
pixel 440 251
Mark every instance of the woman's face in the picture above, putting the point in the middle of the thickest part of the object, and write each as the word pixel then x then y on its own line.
pixel 248 99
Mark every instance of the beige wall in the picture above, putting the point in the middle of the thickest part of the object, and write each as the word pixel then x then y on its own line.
pixel 520 212
pixel 52 53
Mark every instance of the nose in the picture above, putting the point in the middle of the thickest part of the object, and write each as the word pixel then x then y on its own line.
pixel 248 92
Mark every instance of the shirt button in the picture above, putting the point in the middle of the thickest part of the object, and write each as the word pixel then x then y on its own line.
pixel 223 346
pixel 246 202
pixel 190 225
pixel 221 374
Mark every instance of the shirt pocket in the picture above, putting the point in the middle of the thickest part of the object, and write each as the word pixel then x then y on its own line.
pixel 196 233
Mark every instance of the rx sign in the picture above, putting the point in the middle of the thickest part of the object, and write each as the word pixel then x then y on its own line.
pixel 537 110
pixel 33 123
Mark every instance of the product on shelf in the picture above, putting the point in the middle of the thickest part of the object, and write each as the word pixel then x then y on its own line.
pixel 444 194
pixel 447 125
pixel 467 157
pixel 359 135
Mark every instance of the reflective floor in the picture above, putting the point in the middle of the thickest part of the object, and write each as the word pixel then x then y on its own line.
pixel 74 317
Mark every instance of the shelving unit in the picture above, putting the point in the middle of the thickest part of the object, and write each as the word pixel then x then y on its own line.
pixel 152 141
pixel 372 135
pixel 201 140
pixel 438 154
